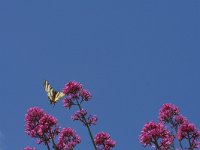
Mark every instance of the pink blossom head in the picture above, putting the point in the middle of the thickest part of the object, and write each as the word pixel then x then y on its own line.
pixel 103 141
pixel 92 120
pixel 68 102
pixel 75 93
pixel 167 112
pixel 48 126
pixel 155 134
pixel 32 119
pixel 180 119
pixel 68 139
pixel 40 125
pixel 80 116
pixel 188 131
pixel 29 148
pixel 85 95
pixel 72 87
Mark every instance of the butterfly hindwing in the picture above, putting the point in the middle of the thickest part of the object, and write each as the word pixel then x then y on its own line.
pixel 52 94
pixel 59 95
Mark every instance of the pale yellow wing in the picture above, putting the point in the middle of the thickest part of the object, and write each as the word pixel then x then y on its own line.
pixel 52 94
pixel 49 90
pixel 58 96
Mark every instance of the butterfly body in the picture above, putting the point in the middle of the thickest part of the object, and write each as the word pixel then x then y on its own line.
pixel 53 95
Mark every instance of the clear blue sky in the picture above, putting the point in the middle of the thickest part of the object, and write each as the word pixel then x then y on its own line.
pixel 132 55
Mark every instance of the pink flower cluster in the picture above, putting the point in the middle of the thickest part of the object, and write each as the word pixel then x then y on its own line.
pixel 104 142
pixel 68 139
pixel 167 112
pixel 81 116
pixel 40 125
pixel 72 87
pixel 75 91
pixel 43 127
pixel 179 119
pixel 156 134
pixel 76 95
pixel 92 120
pixel 68 102
pixel 170 114
pixel 190 132
pixel 85 95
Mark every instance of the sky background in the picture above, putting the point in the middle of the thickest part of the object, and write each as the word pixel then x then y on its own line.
pixel 133 56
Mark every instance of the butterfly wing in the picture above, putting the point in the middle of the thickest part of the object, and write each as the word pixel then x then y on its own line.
pixel 58 96
pixel 52 94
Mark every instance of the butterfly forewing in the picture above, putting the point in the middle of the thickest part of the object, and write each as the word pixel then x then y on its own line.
pixel 58 95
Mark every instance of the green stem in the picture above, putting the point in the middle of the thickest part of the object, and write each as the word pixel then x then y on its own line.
pixel 54 145
pixel 88 127
pixel 173 146
pixel 52 139
pixel 180 144
pixel 48 146
pixel 156 144
pixel 45 141
pixel 191 148
pixel 176 131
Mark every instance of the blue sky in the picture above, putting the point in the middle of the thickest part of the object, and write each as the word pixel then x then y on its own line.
pixel 133 56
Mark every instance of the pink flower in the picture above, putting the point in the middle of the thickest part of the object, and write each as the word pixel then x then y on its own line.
pixel 155 134
pixel 180 119
pixel 85 95
pixel 40 125
pixel 68 102
pixel 72 87
pixel 48 126
pixel 167 112
pixel 79 115
pixel 103 141
pixel 190 132
pixel 92 120
pixel 32 119
pixel 76 94
pixel 29 148
pixel 68 139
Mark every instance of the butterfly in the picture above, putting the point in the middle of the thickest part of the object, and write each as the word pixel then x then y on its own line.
pixel 52 94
